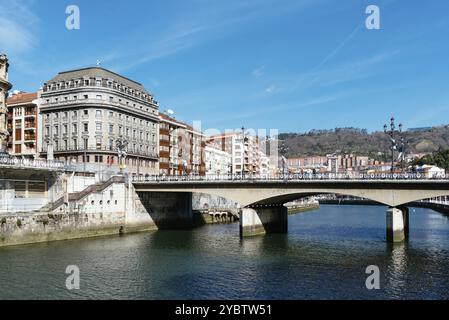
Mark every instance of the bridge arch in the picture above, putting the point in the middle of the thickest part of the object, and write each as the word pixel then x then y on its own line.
pixel 389 193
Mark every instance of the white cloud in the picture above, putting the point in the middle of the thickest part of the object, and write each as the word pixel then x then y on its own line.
pixel 272 89
pixel 258 72
pixel 17 25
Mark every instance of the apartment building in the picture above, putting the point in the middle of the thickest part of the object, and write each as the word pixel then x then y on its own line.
pixel 181 148
pixel 84 112
pixel 243 148
pixel 22 125
pixel 218 162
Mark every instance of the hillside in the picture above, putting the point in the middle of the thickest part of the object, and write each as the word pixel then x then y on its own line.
pixel 360 142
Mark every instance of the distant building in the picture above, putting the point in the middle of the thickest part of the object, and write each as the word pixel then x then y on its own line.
pixel 181 148
pixel 218 162
pixel 422 129
pixel 430 171
pixel 84 112
pixel 306 164
pixel 5 86
pixel 22 125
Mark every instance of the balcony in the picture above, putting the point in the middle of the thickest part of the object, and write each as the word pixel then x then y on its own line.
pixel 30 137
pixel 95 149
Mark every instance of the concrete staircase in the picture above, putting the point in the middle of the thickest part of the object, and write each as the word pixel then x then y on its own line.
pixel 77 196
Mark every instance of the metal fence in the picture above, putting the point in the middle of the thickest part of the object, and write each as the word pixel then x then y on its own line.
pixel 291 177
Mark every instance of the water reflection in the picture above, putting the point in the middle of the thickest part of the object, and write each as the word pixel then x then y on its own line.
pixel 324 256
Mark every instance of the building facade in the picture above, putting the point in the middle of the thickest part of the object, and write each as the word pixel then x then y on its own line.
pixel 218 162
pixel 84 112
pixel 244 149
pixel 5 86
pixel 181 150
pixel 22 125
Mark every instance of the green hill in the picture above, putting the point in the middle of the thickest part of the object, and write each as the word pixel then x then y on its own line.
pixel 360 142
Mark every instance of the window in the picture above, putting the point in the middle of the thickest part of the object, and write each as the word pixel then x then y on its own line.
pixel 99 97
pixel 98 127
pixel 98 113
pixel 86 146
pixel 111 99
pixel 86 82
pixel 65 144
pixel 75 114
pixel 98 144
pixel 120 129
pixel 99 159
pixel 47 131
pixel 86 112
pixel 64 129
pixel 111 114
pixel 74 128
pixel 56 130
pixel 98 83
pixel 75 144
pixel 111 128
pixel 111 144
pixel 86 127
pixel 86 97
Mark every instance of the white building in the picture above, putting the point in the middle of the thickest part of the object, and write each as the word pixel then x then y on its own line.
pixel 264 165
pixel 431 171
pixel 218 162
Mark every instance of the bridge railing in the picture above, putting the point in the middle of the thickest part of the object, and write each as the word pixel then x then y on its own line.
pixel 290 177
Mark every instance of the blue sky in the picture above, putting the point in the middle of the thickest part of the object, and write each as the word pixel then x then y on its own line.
pixel 281 64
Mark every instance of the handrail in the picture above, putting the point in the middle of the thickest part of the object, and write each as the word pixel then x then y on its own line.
pixel 290 178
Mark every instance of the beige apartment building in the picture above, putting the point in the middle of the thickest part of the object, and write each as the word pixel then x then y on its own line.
pixel 85 112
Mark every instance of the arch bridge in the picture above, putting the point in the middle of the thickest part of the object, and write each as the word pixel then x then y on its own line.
pixel 262 200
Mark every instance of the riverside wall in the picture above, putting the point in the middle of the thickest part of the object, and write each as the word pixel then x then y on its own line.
pixel 108 211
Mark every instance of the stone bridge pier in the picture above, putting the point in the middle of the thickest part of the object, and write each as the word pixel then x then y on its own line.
pixel 397 224
pixel 263 219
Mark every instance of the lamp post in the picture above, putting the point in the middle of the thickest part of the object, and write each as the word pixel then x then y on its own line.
pixel 122 145
pixel 243 158
pixel 394 145
pixel 283 149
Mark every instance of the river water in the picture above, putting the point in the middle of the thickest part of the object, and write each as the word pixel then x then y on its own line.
pixel 324 256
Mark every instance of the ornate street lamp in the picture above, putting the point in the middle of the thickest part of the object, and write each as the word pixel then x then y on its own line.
pixel 122 145
pixel 394 144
